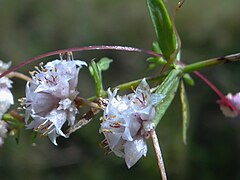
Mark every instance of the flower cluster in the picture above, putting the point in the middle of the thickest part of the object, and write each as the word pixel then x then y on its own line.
pixel 229 111
pixel 50 97
pixel 5 94
pixel 127 121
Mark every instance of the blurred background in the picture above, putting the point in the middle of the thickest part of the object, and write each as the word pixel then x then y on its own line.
pixel 207 29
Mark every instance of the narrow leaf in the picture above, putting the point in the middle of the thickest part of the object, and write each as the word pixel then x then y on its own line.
pixel 155 61
pixel 188 79
pixel 168 88
pixel 104 63
pixel 163 27
pixel 185 112
pixel 96 73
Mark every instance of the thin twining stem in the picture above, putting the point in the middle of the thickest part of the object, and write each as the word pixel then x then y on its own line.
pixel 217 91
pixel 78 49
pixel 158 154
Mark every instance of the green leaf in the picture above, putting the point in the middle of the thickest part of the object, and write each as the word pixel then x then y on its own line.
pixel 163 27
pixel 188 79
pixel 96 71
pixel 185 112
pixel 104 63
pixel 156 48
pixel 34 136
pixel 155 61
pixel 168 88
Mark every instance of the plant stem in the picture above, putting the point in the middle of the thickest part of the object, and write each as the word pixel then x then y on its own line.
pixel 19 75
pixel 217 91
pixel 158 154
pixel 211 62
pixel 132 84
pixel 135 83
pixel 79 49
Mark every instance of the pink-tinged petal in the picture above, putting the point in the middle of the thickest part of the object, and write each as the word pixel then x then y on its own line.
pixel 234 101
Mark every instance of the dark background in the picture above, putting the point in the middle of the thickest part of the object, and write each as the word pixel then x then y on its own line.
pixel 207 29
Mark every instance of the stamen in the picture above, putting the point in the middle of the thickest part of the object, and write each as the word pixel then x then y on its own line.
pixel 61 56
pixel 104 130
pixel 33 73
pixel 37 68
pixel 69 56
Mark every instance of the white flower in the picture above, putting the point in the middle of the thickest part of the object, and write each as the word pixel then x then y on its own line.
pixel 6 96
pixel 231 110
pixel 127 120
pixel 50 97
pixel 3 131
pixel 4 66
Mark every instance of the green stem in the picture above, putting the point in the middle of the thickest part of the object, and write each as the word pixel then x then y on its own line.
pixel 133 84
pixel 186 69
pixel 211 62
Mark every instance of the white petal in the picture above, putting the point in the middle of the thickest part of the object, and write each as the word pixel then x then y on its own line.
pixel 64 104
pixel 143 87
pixel 155 99
pixel 4 66
pixel 37 121
pixel 43 103
pixel 53 136
pixel 6 100
pixel 113 139
pixel 5 82
pixel 134 150
pixel 58 118
pixel 3 129
pixel 80 63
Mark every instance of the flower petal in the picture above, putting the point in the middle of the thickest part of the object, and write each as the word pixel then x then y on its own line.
pixel 134 150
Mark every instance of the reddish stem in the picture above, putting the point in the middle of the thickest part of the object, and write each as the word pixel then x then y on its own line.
pixel 223 99
pixel 85 48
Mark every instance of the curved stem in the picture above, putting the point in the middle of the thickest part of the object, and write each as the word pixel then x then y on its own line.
pixel 78 49
pixel 217 91
pixel 19 75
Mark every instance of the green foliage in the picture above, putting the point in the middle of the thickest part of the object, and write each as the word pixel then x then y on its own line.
pixel 188 79
pixel 185 111
pixel 155 61
pixel 96 71
pixel 104 63
pixel 15 126
pixel 168 88
pixel 163 27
